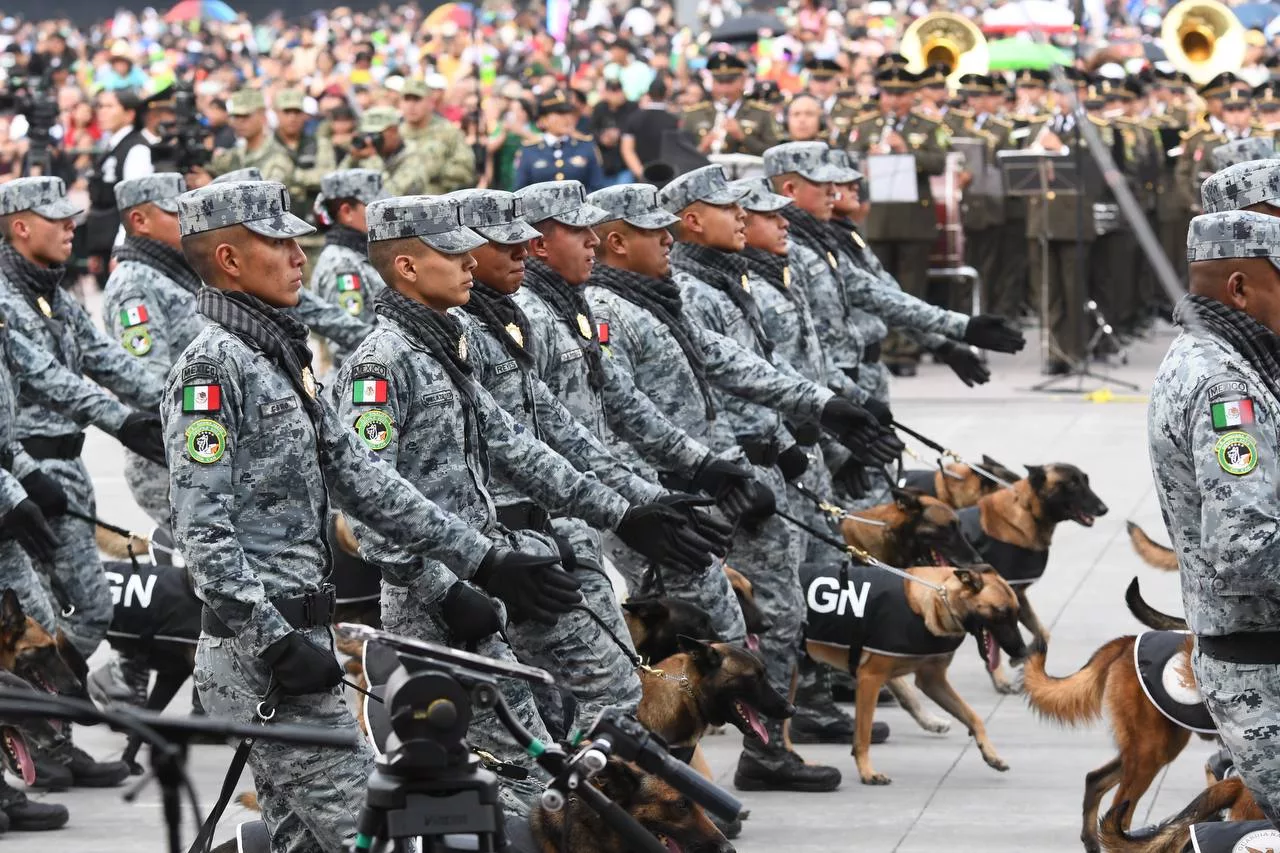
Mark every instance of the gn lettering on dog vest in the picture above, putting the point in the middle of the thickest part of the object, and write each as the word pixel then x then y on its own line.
pixel 1017 565
pixel 1156 657
pixel 152 603
pixel 860 607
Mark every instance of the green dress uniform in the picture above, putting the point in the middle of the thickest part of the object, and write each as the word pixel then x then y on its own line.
pixel 759 127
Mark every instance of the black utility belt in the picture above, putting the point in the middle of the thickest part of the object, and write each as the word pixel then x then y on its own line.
pixel 871 353
pixel 1262 647
pixel 762 452
pixel 313 610
pixel 54 447
pixel 524 516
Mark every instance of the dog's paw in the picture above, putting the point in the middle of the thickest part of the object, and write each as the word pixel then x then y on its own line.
pixel 995 762
pixel 876 779
pixel 936 726
pixel 1008 686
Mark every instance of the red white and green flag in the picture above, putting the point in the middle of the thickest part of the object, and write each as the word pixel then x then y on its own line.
pixel 369 391
pixel 348 281
pixel 135 316
pixel 1232 413
pixel 201 398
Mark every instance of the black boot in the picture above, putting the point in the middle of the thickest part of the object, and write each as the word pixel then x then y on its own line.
pixel 84 772
pixel 818 719
pixel 772 767
pixel 50 775
pixel 23 815
pixel 730 830
pixel 807 730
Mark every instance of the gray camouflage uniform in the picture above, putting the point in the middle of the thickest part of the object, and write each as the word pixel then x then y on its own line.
pixel 69 335
pixel 1243 151
pixel 1242 185
pixel 252 477
pixel 1214 463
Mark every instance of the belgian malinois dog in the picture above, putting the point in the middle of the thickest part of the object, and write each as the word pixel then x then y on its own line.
pixel 655 623
pixel 1148 615
pixel 1228 799
pixel 1109 685
pixel 1152 552
pixel 978 602
pixel 20 733
pixel 957 485
pixel 918 530
pixel 705 685
pixel 33 654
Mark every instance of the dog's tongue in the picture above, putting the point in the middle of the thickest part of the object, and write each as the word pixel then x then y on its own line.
pixel 753 720
pixel 671 845
pixel 993 652
pixel 26 766
pixel 753 642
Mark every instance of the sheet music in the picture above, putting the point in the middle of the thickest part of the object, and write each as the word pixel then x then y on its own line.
pixel 891 178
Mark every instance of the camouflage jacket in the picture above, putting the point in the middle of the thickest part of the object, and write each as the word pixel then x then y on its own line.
pixel 251 478
pixel 845 331
pixel 344 277
pixel 527 399
pixel 418 421
pixel 788 320
pixel 71 338
pixel 152 316
pixel 409 171
pixel 1215 468
pixel 329 320
pixel 453 161
pixel 271 158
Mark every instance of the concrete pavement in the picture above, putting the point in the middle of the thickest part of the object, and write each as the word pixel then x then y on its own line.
pixel 943 796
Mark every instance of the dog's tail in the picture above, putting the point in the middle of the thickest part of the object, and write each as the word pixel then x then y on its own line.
pixel 116 546
pixel 1078 697
pixel 249 800
pixel 1148 615
pixel 1172 835
pixel 1152 553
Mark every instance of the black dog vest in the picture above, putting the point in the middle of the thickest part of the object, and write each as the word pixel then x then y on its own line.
pixel 1017 565
pixel 1155 656
pixel 1234 835
pixel 860 607
pixel 152 603
pixel 921 481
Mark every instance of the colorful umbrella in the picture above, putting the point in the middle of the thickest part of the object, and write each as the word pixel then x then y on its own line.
pixel 460 14
pixel 200 10
pixel 1256 16
pixel 1015 54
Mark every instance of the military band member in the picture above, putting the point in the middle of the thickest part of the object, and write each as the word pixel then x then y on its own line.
pixel 984 215
pixel 562 154
pixel 1208 131
pixel 729 124
pixel 1266 103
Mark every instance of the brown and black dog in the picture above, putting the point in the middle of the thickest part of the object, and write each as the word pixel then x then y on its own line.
pixel 958 485
pixel 1152 552
pixel 1109 685
pixel 978 602
pixel 656 623
pixel 705 685
pixel 916 530
pixel 1228 799
pixel 46 661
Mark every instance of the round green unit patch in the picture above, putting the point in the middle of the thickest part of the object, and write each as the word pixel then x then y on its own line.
pixel 374 429
pixel 353 302
pixel 137 340
pixel 206 441
pixel 1237 453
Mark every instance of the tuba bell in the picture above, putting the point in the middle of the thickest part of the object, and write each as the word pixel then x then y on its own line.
pixel 945 38
pixel 1203 38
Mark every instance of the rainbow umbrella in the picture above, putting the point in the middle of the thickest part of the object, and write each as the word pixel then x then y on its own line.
pixel 460 14
pixel 201 10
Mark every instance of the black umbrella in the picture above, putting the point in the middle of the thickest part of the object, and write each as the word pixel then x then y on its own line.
pixel 748 29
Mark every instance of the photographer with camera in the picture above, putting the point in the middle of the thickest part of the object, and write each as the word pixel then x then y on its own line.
pixel 125 155
pixel 256 147
pixel 378 145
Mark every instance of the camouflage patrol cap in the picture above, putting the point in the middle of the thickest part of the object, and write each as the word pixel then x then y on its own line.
pixel 435 220
pixel 245 102
pixel 842 160
pixel 806 159
pixel 760 197
pixel 260 206
pixel 161 189
pixel 494 215
pixel 635 204
pixel 378 119
pixel 563 201
pixel 1234 234
pixel 45 197
pixel 1243 150
pixel 708 185
pixel 1242 185
pixel 414 88
pixel 360 184
pixel 290 99
pixel 253 173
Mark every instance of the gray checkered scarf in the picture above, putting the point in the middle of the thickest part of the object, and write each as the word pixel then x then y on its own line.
pixel 435 331
pixel 349 238
pixel 162 258
pixel 33 279
pixel 725 272
pixel 496 311
pixel 1255 342
pixel 566 302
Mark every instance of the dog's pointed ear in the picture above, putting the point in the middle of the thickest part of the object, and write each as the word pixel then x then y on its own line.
pixel 999 468
pixel 620 782
pixel 908 499
pixel 970 578
pixel 646 608
pixel 704 654
pixel 1036 475
pixel 12 620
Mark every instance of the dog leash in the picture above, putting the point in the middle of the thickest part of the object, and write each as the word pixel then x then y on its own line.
pixel 836 512
pixel 120 531
pixel 938 448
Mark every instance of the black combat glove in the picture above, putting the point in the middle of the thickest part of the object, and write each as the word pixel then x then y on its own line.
pixel 716 476
pixel 793 462
pixel 759 506
pixel 302 667
pixel 848 420
pixel 665 536
pixel 989 331
pixel 964 363
pixel 883 448
pixel 880 411
pixel 719 533
pixel 46 492
pixel 143 434
pixel 26 524
pixel 852 478
pixel 532 587
pixel 468 614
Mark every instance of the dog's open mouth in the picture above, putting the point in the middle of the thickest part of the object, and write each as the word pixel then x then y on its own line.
pixel 1083 518
pixel 16 755
pixel 38 681
pixel 670 843
pixel 750 720
pixel 936 556
pixel 990 649
pixel 753 642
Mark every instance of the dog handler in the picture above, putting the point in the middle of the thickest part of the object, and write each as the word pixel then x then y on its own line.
pixel 1213 416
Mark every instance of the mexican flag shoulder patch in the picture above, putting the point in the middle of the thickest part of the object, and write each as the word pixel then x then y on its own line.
pixel 369 391
pixel 348 281
pixel 201 398
pixel 1230 405
pixel 135 316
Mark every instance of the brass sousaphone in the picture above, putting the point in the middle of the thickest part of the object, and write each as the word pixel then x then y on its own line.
pixel 1203 38
pixel 945 38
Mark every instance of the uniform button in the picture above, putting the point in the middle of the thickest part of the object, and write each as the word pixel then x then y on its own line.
pixel 1219 584
pixel 559 176
pixel 559 164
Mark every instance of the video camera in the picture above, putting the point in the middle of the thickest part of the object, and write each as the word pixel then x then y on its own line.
pixel 33 99
pixel 182 141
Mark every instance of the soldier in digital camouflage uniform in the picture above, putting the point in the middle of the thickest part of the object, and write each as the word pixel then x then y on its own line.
pixel 571 360
pixel 1253 185
pixel 255 458
pixel 406 169
pixel 1242 151
pixel 1215 404
pixel 342 275
pixel 256 147
pixel 441 140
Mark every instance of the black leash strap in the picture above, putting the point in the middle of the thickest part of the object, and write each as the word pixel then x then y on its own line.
pixel 938 448
pixel 635 659
pixel 120 531
pixel 204 839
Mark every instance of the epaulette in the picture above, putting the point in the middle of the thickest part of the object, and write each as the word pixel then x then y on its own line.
pixel 697 106
pixel 757 104
pixel 923 117
pixel 865 115
pixel 1000 122
pixel 961 112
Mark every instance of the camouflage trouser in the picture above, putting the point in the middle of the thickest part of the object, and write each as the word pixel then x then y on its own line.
pixel 310 797
pixel 1244 700
pixel 17 574
pixel 406 611
pixel 149 484
pixel 597 589
pixel 576 651
pixel 874 379
pixel 74 579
